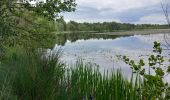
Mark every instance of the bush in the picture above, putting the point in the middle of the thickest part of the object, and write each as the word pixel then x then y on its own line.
pixel 154 87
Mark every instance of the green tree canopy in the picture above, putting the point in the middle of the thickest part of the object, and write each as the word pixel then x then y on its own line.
pixel 23 24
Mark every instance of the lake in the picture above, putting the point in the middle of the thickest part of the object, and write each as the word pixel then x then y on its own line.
pixel 104 50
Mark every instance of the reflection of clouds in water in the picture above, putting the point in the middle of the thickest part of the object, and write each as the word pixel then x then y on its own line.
pixel 104 52
pixel 153 37
pixel 107 59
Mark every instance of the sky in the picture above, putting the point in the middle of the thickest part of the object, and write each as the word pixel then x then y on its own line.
pixel 124 11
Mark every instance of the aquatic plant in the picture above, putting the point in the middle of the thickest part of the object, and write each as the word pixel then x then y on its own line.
pixel 38 77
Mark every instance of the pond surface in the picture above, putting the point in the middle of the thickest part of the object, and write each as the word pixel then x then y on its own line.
pixel 105 49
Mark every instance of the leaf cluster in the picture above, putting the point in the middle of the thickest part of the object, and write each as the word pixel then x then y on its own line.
pixel 154 85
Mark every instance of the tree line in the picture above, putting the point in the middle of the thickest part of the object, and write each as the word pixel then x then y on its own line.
pixel 104 27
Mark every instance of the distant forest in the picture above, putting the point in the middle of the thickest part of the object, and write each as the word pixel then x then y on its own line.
pixel 104 27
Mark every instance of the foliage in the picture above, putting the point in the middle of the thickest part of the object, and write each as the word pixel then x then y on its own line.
pixel 86 82
pixel 23 24
pixel 40 75
pixel 38 33
pixel 154 85
pixel 105 26
pixel 37 76
pixel 51 8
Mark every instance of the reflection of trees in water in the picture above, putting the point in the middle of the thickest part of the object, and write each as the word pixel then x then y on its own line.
pixel 73 37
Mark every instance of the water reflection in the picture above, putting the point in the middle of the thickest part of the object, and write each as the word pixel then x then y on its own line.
pixel 73 37
pixel 104 49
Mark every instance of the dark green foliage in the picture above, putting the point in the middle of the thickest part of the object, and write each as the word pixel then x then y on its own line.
pixel 35 76
pixel 104 27
pixel 25 25
pixel 52 7
pixel 28 30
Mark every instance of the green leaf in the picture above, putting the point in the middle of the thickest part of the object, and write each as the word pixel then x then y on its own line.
pixel 142 72
pixel 160 72
pixel 141 62
pixel 168 70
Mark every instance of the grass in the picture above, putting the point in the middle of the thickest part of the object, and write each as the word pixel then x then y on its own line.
pixel 86 82
pixel 32 76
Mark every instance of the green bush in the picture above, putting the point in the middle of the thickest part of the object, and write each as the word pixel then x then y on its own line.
pixel 154 87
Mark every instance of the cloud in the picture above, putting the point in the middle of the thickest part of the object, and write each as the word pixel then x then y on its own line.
pixel 88 14
pixel 153 18
pixel 117 5
pixel 126 11
pixel 134 15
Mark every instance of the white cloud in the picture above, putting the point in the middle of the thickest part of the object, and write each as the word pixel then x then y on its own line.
pixel 117 5
pixel 92 20
pixel 126 11
pixel 152 18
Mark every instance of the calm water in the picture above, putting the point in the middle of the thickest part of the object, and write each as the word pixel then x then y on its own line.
pixel 104 49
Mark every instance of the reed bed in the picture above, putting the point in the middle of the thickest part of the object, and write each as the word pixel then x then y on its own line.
pixel 32 76
pixel 85 82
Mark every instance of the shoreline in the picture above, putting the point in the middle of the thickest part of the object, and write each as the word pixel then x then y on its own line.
pixel 138 32
pixel 124 33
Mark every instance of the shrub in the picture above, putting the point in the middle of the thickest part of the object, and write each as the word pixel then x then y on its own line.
pixel 154 87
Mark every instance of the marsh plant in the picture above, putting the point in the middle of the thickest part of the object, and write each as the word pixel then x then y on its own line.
pixel 86 82
pixel 35 75
pixel 32 76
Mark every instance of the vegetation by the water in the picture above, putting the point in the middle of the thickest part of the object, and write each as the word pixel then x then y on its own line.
pixel 154 85
pixel 137 32
pixel 41 77
pixel 24 25
pixel 104 27
pixel 62 38
pixel 29 71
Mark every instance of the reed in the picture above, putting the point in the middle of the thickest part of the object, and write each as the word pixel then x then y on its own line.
pixel 85 82
pixel 34 76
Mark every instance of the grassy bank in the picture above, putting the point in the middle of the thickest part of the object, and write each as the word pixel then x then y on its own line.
pixel 32 76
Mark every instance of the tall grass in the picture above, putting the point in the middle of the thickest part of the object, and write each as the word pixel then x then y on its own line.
pixel 6 89
pixel 34 76
pixel 85 82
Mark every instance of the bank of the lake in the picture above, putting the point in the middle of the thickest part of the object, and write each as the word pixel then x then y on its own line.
pixel 123 32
